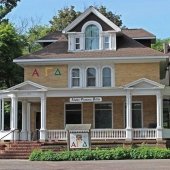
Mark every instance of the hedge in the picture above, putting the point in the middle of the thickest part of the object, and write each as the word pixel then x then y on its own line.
pixel 102 154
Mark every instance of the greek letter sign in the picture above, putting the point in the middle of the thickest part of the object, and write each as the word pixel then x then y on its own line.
pixel 79 140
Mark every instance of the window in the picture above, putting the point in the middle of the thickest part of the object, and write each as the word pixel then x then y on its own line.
pixel 73 113
pixel 91 77
pixel 106 42
pixel 106 75
pixel 75 74
pixel 77 43
pixel 103 115
pixel 91 37
pixel 136 115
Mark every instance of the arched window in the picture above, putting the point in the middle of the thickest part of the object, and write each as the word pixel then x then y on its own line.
pixel 75 77
pixel 92 37
pixel 106 75
pixel 91 77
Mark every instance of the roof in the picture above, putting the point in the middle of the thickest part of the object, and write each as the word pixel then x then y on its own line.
pixel 138 33
pixel 57 35
pixel 126 47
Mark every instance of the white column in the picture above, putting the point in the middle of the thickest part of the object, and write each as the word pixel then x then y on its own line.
pixel 128 116
pixel 28 120
pixel 43 118
pixel 14 110
pixel 14 116
pixel 24 120
pixel 159 110
pixel 2 115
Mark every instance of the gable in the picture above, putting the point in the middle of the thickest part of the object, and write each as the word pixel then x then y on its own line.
pixel 84 15
pixel 29 86
pixel 91 17
pixel 144 84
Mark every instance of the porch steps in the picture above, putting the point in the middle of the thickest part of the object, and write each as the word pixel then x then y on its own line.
pixel 18 150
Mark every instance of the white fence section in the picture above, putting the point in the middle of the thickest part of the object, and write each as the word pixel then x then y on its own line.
pixel 108 134
pixel 57 134
pixel 144 134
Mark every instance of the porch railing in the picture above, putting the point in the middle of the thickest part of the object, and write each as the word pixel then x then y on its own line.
pixel 144 133
pixel 57 134
pixel 104 134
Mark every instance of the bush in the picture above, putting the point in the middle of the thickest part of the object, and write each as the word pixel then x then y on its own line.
pixel 102 154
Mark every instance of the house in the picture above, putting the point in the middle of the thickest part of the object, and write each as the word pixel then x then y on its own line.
pixel 90 73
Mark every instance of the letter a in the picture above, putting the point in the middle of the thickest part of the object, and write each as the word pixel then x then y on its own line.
pixel 73 144
pixel 35 73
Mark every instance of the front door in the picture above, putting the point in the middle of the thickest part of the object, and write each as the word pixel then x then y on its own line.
pixel 38 120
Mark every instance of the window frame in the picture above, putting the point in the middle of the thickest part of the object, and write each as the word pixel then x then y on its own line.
pixel 104 42
pixel 70 77
pixel 96 79
pixel 65 111
pixel 100 31
pixel 133 102
pixel 105 102
pixel 111 76
pixel 77 49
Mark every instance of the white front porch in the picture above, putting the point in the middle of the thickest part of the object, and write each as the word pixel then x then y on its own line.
pixel 28 92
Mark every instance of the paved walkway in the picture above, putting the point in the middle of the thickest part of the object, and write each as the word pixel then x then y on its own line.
pixel 86 165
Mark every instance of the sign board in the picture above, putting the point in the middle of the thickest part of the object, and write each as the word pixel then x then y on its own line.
pixel 78 136
pixel 85 99
pixel 79 140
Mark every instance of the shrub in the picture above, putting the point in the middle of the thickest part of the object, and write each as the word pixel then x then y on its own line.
pixel 102 154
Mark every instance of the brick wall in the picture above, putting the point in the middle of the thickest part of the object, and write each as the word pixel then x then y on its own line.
pixel 45 75
pixel 55 111
pixel 126 73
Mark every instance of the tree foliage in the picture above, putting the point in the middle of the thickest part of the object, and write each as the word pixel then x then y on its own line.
pixel 6 6
pixel 34 33
pixel 66 15
pixel 159 44
pixel 10 47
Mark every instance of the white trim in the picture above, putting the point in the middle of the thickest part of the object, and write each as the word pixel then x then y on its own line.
pixel 103 102
pixel 27 83
pixel 41 41
pixel 153 83
pixel 127 59
pixel 83 29
pixel 141 38
pixel 85 14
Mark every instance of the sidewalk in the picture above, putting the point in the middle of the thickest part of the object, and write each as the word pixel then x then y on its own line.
pixel 86 165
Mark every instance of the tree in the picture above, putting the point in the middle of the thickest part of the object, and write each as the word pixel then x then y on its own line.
pixel 6 6
pixel 67 15
pixel 10 48
pixel 34 33
pixel 64 17
pixel 109 14
pixel 159 44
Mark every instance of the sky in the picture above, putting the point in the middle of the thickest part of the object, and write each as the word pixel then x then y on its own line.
pixel 152 15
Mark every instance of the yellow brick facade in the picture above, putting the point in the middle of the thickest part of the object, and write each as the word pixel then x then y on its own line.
pixel 129 72
pixel 56 111
pixel 46 75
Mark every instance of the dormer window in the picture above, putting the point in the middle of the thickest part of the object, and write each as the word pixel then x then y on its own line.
pixel 91 37
pixel 106 42
pixel 77 43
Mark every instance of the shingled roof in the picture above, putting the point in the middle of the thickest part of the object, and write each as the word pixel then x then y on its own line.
pixel 138 33
pixel 126 47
